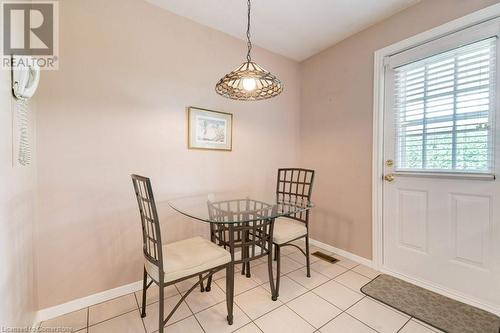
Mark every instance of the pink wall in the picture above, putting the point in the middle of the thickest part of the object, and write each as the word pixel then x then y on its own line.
pixel 116 106
pixel 17 221
pixel 336 121
pixel 128 70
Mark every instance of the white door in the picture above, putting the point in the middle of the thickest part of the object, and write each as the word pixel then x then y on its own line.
pixel 441 202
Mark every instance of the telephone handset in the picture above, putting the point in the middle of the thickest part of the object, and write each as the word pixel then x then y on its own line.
pixel 25 77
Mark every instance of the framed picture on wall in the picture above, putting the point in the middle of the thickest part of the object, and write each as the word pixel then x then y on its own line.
pixel 207 129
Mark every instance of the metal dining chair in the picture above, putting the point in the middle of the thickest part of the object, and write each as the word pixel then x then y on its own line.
pixel 294 185
pixel 168 264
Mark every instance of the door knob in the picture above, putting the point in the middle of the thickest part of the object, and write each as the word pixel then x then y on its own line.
pixel 389 177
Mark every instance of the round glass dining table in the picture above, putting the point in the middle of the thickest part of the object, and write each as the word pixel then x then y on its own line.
pixel 243 223
pixel 239 207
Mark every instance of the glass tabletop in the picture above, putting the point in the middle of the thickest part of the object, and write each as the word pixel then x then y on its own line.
pixel 237 207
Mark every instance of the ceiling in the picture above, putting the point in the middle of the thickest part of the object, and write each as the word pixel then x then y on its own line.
pixel 296 29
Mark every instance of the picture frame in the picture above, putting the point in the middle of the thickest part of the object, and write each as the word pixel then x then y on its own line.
pixel 209 129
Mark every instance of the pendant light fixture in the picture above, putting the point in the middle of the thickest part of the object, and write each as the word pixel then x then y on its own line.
pixel 249 82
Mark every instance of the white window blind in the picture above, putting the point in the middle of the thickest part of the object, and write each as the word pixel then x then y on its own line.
pixel 444 110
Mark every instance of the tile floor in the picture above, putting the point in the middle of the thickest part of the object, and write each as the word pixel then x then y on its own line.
pixel 328 302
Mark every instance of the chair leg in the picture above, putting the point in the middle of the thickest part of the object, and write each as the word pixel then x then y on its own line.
pixel 230 292
pixel 308 261
pixel 275 252
pixel 243 268
pixel 278 272
pixel 144 289
pixel 160 307
pixel 274 297
pixel 202 288
pixel 248 269
pixel 243 264
pixel 208 287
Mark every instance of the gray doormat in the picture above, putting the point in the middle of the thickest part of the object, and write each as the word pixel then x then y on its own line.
pixel 436 310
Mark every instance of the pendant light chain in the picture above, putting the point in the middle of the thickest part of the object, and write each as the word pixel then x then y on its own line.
pixel 249 42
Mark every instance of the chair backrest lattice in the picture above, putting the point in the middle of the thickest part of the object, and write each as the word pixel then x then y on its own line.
pixel 151 233
pixel 294 187
pixel 252 238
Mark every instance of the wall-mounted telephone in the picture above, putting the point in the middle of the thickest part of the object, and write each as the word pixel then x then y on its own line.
pixel 25 77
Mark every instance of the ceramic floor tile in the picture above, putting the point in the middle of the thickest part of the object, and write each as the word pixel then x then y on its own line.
pixel 249 328
pixel 260 273
pixel 222 273
pixel 389 307
pixel 301 258
pixel 199 301
pixel 289 289
pixel 188 325
pixel 152 294
pixel 312 282
pixel 286 250
pixel 380 318
pixel 433 329
pixel 213 320
pixel 328 269
pixel 283 320
pixel 219 275
pixel 262 260
pixel 352 280
pixel 337 294
pixel 288 265
pixel 186 284
pixel 314 309
pixel 111 308
pixel 256 302
pixel 366 271
pixel 346 324
pixel 128 323
pixel 343 261
pixel 414 327
pixel 76 320
pixel 151 319
pixel 241 284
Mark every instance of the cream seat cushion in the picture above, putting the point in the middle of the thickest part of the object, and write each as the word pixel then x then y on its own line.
pixel 286 229
pixel 188 257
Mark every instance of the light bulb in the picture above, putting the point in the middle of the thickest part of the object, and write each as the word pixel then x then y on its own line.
pixel 249 84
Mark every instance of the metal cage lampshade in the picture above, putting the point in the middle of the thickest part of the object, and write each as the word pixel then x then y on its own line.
pixel 249 82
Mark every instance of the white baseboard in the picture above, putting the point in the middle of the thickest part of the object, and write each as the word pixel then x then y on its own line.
pixel 343 253
pixel 80 303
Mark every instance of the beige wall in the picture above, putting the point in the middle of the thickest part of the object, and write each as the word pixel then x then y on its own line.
pixel 336 121
pixel 17 221
pixel 116 106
